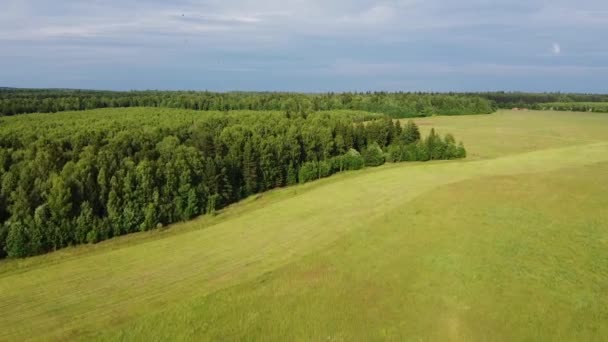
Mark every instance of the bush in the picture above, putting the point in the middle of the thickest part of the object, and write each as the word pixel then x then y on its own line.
pixel 461 151
pixel 292 175
pixel 212 204
pixel 352 160
pixel 373 155
pixel 395 153
pixel 324 169
pixel 308 172
pixel 435 146
pixel 314 170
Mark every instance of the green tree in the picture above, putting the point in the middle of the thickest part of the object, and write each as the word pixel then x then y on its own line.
pixel 192 206
pixel 60 207
pixel 17 240
pixel 250 169
pixel 292 175
pixel 85 223
pixel 410 134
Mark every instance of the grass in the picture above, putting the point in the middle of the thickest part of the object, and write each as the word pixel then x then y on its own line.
pixel 508 245
pixel 511 132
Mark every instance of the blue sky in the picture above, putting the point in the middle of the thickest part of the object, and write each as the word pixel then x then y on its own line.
pixel 306 45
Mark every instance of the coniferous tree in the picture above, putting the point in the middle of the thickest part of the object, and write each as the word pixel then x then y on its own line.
pixel 410 133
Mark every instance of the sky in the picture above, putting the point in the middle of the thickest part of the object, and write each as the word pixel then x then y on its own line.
pixel 306 45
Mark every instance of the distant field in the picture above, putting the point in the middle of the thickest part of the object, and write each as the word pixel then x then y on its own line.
pixel 511 132
pixel 511 244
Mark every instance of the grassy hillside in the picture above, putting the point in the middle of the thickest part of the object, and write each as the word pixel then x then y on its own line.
pixel 508 245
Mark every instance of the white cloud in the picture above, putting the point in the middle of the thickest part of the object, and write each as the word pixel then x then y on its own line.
pixel 556 48
pixel 26 19
pixel 365 38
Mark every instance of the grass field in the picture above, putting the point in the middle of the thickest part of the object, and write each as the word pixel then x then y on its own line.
pixel 511 244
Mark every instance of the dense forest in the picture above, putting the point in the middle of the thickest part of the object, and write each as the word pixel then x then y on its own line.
pixel 73 177
pixel 397 105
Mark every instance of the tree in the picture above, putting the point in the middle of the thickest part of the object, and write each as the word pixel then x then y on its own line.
pixel 17 240
pixel 85 223
pixel 410 134
pixel 114 213
pixel 434 145
pixel 192 208
pixel 60 206
pixel 250 169
pixel 292 175
pixel 3 234
pixel 150 217
pixel 38 238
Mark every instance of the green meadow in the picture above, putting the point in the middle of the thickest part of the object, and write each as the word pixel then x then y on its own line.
pixel 508 244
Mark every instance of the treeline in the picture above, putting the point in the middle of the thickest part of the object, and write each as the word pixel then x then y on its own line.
pixel 539 101
pixel 596 107
pixel 397 105
pixel 75 178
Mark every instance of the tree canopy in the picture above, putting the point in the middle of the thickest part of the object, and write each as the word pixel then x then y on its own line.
pixel 398 105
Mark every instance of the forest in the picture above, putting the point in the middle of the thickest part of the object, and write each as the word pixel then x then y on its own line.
pixel 83 177
pixel 397 105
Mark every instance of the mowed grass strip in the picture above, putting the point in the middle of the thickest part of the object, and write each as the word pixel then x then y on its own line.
pixel 86 291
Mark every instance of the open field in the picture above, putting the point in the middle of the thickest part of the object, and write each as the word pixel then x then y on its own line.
pixel 511 132
pixel 510 244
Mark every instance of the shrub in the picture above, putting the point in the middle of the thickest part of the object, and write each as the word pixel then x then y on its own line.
pixel 292 175
pixel 422 151
pixel 212 204
pixel 435 146
pixel 324 169
pixel 373 155
pixel 308 172
pixel 353 160
pixel 461 151
pixel 395 153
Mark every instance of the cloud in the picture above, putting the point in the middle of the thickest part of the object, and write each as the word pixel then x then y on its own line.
pixel 230 40
pixel 556 48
